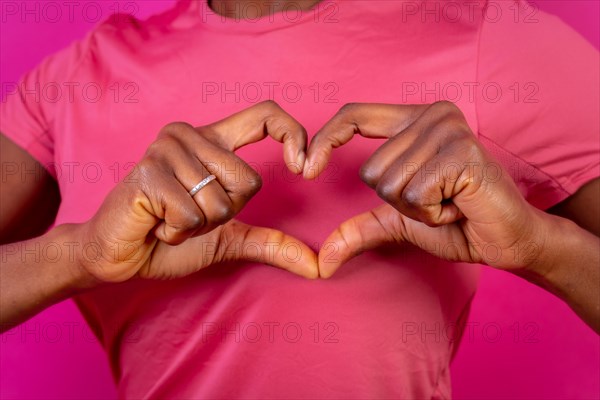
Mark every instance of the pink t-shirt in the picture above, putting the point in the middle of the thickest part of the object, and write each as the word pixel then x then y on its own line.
pixel 386 325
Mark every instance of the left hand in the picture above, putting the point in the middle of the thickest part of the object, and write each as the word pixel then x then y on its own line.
pixel 444 192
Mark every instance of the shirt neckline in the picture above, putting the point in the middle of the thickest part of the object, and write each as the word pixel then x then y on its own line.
pixel 289 17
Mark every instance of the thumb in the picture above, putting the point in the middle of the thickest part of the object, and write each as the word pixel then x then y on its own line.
pixel 243 242
pixel 358 234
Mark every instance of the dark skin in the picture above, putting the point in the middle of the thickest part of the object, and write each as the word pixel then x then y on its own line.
pixel 459 211
pixel 152 219
pixel 161 222
pixel 234 8
pixel 168 224
pixel 34 199
pixel 586 197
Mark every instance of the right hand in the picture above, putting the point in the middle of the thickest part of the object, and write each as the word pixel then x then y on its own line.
pixel 150 226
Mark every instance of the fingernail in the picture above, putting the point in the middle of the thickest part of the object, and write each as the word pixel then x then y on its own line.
pixel 301 160
pixel 308 171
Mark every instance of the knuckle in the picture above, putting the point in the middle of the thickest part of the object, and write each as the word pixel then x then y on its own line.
pixel 467 148
pixel 145 169
pixel 474 151
pixel 253 183
pixel 348 114
pixel 162 146
pixel 193 220
pixel 445 106
pixel 451 127
pixel 223 213
pixel 347 110
pixel 208 135
pixel 461 129
pixel 187 220
pixel 473 143
pixel 411 198
pixel 386 191
pixel 175 128
pixel 368 175
pixel 270 106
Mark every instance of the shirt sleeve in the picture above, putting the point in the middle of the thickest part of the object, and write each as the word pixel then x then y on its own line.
pixel 29 106
pixel 539 102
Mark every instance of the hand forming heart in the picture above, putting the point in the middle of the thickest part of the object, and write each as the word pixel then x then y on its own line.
pixel 455 212
pixel 435 178
pixel 152 225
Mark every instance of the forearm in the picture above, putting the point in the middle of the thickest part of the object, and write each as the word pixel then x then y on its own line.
pixel 40 272
pixel 569 267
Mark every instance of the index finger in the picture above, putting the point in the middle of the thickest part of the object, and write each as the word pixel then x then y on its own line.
pixel 370 120
pixel 255 123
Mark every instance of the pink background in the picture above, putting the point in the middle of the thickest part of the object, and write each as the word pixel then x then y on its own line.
pixel 522 343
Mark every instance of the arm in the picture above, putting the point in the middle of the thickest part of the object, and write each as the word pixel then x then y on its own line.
pixel 29 197
pixel 32 280
pixel 569 267
pixel 149 226
pixel 583 207
pixel 572 272
pixel 29 201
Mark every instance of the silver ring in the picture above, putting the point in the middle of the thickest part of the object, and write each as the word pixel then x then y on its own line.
pixel 201 184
